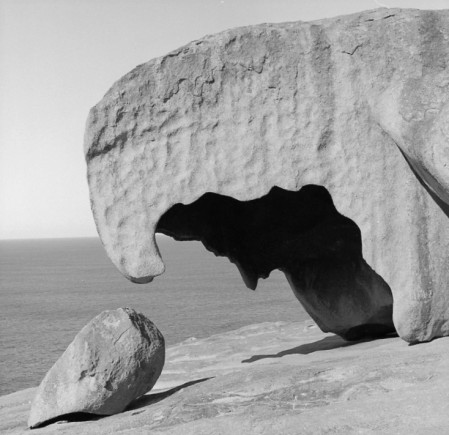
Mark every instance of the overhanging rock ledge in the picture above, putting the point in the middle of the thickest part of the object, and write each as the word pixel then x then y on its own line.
pixel 357 105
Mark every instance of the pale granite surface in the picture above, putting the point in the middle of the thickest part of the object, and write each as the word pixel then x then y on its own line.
pixel 279 378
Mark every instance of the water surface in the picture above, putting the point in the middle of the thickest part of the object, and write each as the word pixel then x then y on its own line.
pixel 49 289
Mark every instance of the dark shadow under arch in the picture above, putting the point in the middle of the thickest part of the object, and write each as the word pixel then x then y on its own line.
pixel 302 234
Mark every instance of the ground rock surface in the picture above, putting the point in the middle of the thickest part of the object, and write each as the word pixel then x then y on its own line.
pixel 279 378
pixel 116 358
pixel 356 104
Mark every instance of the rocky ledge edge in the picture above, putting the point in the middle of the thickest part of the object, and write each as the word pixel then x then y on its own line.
pixel 278 377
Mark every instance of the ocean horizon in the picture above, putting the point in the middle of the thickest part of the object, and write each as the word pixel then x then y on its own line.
pixel 50 288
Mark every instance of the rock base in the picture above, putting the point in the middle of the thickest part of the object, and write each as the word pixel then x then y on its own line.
pixel 279 378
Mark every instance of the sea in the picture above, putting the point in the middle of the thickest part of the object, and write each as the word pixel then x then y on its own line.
pixel 50 288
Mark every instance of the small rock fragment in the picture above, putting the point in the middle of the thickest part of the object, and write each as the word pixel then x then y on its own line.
pixel 116 358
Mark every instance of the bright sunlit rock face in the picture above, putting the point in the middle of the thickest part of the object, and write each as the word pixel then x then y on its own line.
pixel 356 104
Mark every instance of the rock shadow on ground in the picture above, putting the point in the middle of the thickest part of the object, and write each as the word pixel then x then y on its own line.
pixel 151 399
pixel 141 402
pixel 326 343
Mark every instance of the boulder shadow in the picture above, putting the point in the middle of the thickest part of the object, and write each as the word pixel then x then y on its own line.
pixel 73 417
pixel 141 402
pixel 151 399
pixel 327 343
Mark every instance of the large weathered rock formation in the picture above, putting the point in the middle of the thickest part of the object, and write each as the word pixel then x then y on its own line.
pixel 357 105
pixel 116 358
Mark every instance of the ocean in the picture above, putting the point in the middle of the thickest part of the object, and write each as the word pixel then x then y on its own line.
pixel 49 289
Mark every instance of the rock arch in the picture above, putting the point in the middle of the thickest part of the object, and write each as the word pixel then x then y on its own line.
pixel 303 235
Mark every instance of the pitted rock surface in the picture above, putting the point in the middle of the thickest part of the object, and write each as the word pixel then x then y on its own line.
pixel 356 104
pixel 116 358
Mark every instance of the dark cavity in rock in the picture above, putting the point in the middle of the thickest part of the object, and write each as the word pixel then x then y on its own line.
pixel 303 235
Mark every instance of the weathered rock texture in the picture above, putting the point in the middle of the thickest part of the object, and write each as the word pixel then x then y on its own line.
pixel 356 104
pixel 117 357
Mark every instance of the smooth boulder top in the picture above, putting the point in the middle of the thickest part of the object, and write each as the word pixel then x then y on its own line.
pixel 116 358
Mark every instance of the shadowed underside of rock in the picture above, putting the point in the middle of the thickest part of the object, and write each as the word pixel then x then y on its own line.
pixel 302 234
pixel 356 104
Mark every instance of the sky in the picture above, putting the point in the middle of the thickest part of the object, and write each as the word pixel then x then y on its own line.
pixel 59 57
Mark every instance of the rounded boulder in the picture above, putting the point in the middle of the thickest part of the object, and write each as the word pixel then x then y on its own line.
pixel 116 358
